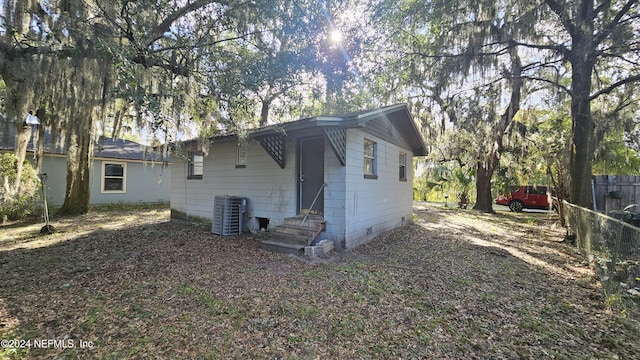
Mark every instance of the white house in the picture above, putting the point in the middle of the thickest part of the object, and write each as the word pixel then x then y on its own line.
pixel 122 171
pixel 352 172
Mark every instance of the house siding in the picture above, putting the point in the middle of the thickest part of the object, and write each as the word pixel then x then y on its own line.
pixel 374 206
pixel 356 208
pixel 145 182
pixel 334 197
pixel 271 190
pixel 56 169
pixel 352 204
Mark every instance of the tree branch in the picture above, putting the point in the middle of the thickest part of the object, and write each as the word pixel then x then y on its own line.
pixel 610 88
pixel 615 21
pixel 555 84
pixel 561 49
pixel 198 45
pixel 562 13
pixel 164 26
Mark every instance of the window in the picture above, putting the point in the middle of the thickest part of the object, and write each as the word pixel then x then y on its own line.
pixel 537 190
pixel 113 177
pixel 196 168
pixel 370 149
pixel 241 159
pixel 403 167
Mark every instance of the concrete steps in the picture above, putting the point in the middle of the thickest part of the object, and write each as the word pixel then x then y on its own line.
pixel 282 248
pixel 291 237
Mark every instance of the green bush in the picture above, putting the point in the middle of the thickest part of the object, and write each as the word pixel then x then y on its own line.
pixel 17 205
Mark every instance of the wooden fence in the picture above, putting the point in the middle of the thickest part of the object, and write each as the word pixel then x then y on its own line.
pixel 614 192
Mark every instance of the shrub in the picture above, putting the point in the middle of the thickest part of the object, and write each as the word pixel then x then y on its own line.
pixel 16 205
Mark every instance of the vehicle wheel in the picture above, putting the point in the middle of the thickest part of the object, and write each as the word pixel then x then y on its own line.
pixel 516 206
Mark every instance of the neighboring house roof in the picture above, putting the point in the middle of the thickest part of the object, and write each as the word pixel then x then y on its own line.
pixel 103 148
pixel 397 116
pixel 125 149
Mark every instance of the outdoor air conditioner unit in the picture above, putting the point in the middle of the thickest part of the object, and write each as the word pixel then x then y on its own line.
pixel 228 215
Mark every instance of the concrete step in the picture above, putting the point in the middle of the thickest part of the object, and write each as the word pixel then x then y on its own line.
pixel 288 239
pixel 295 230
pixel 315 222
pixel 291 238
pixel 282 248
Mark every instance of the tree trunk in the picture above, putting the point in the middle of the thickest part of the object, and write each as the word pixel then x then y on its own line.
pixel 582 126
pixel 559 187
pixel 484 173
pixel 15 103
pixel 77 196
pixel 22 142
pixel 264 113
pixel 581 153
pixel 484 170
pixel 79 140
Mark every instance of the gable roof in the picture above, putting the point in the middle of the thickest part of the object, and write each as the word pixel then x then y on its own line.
pixel 392 122
pixel 104 147
pixel 126 150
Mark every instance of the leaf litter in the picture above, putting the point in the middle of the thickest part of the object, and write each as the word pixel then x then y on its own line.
pixel 454 284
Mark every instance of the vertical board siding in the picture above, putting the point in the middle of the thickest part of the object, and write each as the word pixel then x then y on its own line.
pixel 629 185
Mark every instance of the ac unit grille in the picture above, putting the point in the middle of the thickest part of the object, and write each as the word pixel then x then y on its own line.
pixel 228 215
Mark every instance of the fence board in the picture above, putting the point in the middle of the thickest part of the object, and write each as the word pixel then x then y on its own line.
pixel 606 187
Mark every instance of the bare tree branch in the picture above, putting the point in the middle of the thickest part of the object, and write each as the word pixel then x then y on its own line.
pixel 610 88
pixel 615 22
pixel 164 26
pixel 551 82
pixel 563 15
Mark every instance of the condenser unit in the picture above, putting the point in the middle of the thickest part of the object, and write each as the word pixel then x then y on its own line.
pixel 228 215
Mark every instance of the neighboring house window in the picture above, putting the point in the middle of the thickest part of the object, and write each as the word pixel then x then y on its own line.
pixel 370 149
pixel 241 158
pixel 403 167
pixel 196 165
pixel 114 177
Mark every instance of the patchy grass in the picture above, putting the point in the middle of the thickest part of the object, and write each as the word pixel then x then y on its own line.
pixel 121 206
pixel 455 284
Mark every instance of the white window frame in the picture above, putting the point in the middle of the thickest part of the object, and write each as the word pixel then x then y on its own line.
pixel 104 176
pixel 190 165
pixel 402 168
pixel 241 155
pixel 373 174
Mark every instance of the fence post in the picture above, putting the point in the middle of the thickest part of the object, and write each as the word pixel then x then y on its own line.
pixel 611 283
pixel 611 247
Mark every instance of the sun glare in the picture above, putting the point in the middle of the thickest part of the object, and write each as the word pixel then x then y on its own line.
pixel 335 36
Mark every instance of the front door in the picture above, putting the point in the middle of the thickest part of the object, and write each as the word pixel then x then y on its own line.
pixel 311 175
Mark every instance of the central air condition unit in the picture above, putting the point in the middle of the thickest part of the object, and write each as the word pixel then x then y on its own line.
pixel 228 215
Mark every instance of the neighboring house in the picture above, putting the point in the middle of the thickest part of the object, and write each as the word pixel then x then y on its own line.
pixel 364 160
pixel 122 171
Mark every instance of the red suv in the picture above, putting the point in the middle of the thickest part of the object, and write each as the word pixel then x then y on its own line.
pixel 525 197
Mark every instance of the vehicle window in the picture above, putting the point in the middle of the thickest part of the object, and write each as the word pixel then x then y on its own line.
pixel 537 190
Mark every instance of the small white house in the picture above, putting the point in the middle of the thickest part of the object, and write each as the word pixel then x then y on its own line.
pixel 352 171
pixel 122 171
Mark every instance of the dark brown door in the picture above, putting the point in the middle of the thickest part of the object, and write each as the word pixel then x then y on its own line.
pixel 311 175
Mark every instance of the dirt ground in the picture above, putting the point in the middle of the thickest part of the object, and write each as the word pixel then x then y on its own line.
pixel 453 285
